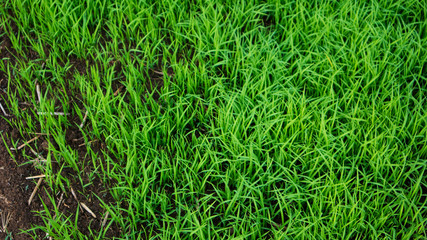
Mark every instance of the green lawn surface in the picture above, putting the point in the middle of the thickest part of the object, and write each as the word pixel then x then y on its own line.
pixel 227 119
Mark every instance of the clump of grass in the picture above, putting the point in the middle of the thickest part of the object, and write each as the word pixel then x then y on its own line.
pixel 223 119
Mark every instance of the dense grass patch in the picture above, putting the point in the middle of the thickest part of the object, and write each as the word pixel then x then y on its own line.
pixel 230 119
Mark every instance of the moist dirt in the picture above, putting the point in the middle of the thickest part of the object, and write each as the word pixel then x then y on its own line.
pixel 16 214
pixel 15 191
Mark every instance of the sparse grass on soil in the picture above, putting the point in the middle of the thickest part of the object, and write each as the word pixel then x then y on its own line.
pixel 217 119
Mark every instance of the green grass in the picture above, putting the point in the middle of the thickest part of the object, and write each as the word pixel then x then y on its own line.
pixel 275 120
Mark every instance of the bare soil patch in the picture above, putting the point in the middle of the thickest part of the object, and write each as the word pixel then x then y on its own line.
pixel 15 191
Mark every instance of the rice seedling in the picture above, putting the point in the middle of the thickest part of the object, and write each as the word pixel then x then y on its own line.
pixel 225 119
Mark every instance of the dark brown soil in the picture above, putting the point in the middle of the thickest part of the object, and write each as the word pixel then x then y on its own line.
pixel 15 189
